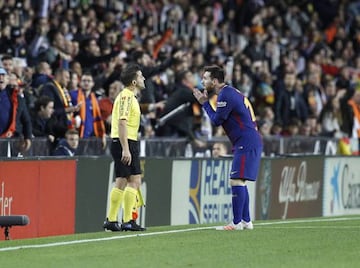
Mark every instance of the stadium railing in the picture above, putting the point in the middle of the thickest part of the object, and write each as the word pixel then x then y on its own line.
pixel 175 147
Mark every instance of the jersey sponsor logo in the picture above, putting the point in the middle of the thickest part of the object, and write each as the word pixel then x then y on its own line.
pixel 221 104
pixel 129 100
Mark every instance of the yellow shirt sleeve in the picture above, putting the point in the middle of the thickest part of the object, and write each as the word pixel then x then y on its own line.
pixel 125 106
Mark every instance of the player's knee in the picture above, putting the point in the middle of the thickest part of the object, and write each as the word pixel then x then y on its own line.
pixel 135 181
pixel 120 183
pixel 237 182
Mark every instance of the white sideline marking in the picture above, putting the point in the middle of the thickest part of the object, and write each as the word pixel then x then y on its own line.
pixel 315 227
pixel 55 244
pixel 103 239
pixel 306 221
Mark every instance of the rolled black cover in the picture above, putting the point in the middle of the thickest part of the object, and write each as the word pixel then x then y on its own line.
pixel 14 220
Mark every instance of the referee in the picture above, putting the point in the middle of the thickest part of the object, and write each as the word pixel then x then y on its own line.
pixel 125 152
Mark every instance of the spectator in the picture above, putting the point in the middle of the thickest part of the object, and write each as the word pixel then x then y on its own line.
pixel 69 145
pixel 56 55
pixel 149 114
pixel 315 126
pixel 90 58
pixel 293 128
pixel 245 85
pixel 354 104
pixel 276 129
pixel 91 124
pixel 331 118
pixel 75 67
pixel 39 78
pixel 330 87
pixel 63 107
pixel 42 122
pixel 264 32
pixel 14 81
pixel 74 83
pixel 18 47
pixel 149 70
pixel 111 73
pixel 7 63
pixel 290 103
pixel 255 49
pixel 267 115
pixel 39 42
pixel 314 94
pixel 181 124
pixel 264 128
pixel 106 104
pixel 14 117
pixel 264 92
pixel 305 129
pixel 219 149
pixel 5 38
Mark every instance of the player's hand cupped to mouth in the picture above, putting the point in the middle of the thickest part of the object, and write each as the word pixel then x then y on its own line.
pixel 201 96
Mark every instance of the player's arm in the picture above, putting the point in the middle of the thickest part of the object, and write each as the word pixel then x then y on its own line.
pixel 123 137
pixel 215 116
pixel 223 108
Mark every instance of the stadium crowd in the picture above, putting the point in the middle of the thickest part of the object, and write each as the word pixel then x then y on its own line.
pixel 297 61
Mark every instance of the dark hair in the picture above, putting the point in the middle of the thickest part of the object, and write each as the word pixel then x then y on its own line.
pixel 86 42
pixel 129 73
pixel 71 132
pixel 180 76
pixel 137 55
pixel 60 71
pixel 6 57
pixel 87 73
pixel 42 101
pixel 216 72
pixel 40 66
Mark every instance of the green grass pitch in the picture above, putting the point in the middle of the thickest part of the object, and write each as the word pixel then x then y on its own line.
pixel 314 242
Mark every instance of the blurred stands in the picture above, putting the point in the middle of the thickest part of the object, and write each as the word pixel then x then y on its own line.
pixel 257 42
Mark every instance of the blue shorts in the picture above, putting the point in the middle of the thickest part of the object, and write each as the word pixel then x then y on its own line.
pixel 246 164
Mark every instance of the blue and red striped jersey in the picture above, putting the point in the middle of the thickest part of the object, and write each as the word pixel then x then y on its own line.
pixel 235 114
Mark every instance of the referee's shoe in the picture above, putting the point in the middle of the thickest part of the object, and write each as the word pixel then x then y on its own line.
pixel 112 226
pixel 132 226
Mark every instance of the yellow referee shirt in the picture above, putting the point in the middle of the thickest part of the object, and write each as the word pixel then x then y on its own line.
pixel 127 107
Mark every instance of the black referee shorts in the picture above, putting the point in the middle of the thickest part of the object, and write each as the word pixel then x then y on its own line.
pixel 122 170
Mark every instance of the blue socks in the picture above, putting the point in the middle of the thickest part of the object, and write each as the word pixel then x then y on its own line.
pixel 246 212
pixel 239 194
